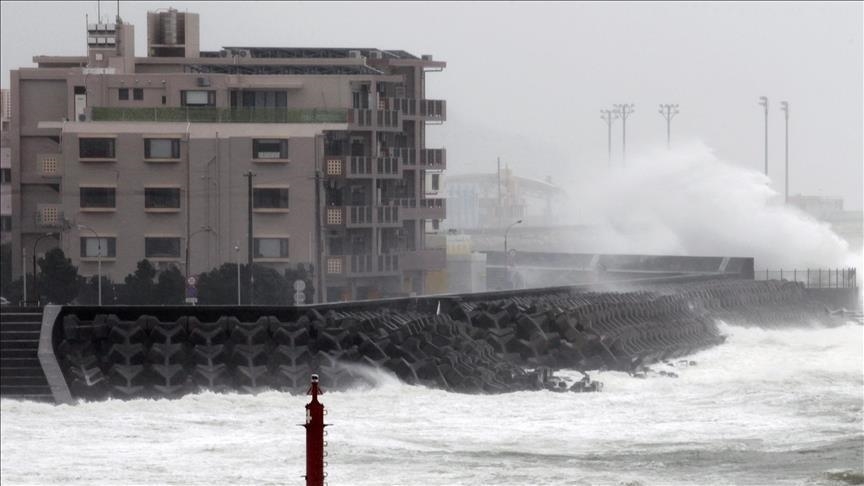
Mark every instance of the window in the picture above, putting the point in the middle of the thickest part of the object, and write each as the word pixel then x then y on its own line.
pixel 5 176
pixel 93 247
pixel 161 148
pixel 138 94
pixel 123 94
pixel 269 148
pixel 5 223
pixel 98 197
pixel 267 198
pixel 164 99
pixel 162 198
pixel 436 182
pixel 271 248
pixel 162 247
pixel 198 98
pixel 96 148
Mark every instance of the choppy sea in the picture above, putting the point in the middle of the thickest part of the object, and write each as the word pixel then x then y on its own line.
pixel 767 407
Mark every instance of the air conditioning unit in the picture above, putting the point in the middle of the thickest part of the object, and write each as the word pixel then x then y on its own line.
pixel 82 117
pixel 354 54
pixel 243 53
pixel 223 53
pixel 427 57
pixel 376 54
pixel 203 82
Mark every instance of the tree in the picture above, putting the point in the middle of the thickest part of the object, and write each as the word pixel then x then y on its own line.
pixel 170 287
pixel 5 267
pixel 58 279
pixel 88 293
pixel 139 288
pixel 219 286
pixel 270 287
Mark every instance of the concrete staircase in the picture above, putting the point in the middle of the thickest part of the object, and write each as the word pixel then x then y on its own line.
pixel 21 375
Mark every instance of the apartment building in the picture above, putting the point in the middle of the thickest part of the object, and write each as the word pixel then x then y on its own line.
pixel 5 169
pixel 127 157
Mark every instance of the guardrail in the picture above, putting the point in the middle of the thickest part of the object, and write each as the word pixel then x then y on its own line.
pixel 813 278
pixel 219 115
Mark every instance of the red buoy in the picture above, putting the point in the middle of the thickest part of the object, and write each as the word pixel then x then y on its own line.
pixel 314 436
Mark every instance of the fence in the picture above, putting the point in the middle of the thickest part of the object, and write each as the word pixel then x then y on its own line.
pixel 818 278
pixel 219 115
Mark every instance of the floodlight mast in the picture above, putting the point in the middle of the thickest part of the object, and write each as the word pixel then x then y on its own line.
pixel 624 111
pixel 668 111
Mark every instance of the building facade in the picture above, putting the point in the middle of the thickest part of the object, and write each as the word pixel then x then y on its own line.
pixel 125 158
pixel 5 169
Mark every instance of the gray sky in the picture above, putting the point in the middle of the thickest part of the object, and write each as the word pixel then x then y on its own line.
pixel 526 81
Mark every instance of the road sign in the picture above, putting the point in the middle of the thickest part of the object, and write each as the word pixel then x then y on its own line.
pixel 299 298
pixel 299 285
pixel 191 281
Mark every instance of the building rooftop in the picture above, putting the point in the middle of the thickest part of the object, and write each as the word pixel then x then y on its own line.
pixel 307 52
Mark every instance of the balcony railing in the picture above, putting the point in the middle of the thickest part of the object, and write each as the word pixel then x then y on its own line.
pixel 375 118
pixel 361 166
pixel 429 109
pixel 367 216
pixel 814 278
pixel 219 115
pixel 433 158
pixel 362 265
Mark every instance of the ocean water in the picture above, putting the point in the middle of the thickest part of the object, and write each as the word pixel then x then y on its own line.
pixel 767 407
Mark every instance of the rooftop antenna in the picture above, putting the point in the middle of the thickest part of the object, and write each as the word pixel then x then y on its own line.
pixel 98 12
pixel 118 11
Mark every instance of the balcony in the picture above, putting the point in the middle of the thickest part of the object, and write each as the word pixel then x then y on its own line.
pixel 364 216
pixel 362 265
pixel 368 167
pixel 430 110
pixel 433 158
pixel 426 259
pixel 220 115
pixel 384 120
pixel 421 208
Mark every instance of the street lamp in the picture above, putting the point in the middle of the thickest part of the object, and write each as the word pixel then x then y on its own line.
pixel 237 262
pixel 763 102
pixel 188 243
pixel 785 107
pixel 98 258
pixel 506 255
pixel 46 235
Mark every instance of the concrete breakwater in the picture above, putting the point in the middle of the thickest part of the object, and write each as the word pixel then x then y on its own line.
pixel 494 342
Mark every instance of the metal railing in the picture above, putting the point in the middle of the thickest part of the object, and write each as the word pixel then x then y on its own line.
pixel 219 115
pixel 813 278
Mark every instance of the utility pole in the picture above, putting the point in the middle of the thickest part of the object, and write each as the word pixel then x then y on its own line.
pixel 250 243
pixel 609 116
pixel 668 111
pixel 624 111
pixel 785 107
pixel 499 192
pixel 763 101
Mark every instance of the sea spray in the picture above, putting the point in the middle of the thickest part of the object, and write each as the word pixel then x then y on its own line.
pixel 686 201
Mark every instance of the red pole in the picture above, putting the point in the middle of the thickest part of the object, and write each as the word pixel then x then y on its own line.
pixel 314 436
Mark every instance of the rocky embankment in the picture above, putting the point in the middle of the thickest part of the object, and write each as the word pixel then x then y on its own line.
pixel 488 343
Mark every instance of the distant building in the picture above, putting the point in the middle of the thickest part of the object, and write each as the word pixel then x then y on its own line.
pixel 146 157
pixel 477 201
pixel 847 224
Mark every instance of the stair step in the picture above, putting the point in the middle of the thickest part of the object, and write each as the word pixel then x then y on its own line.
pixel 18 344
pixel 25 389
pixel 19 354
pixel 21 371
pixel 9 334
pixel 20 326
pixel 17 317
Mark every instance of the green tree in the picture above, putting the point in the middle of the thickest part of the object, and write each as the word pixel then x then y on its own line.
pixel 139 287
pixel 219 286
pixel 170 287
pixel 58 279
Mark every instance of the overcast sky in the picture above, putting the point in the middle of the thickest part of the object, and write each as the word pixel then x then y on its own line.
pixel 526 81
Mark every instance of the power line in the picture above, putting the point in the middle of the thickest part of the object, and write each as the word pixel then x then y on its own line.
pixel 609 116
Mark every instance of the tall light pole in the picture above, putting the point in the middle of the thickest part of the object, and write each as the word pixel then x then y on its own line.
pixel 763 101
pixel 237 260
pixel 668 111
pixel 785 107
pixel 507 255
pixel 189 242
pixel 624 111
pixel 98 258
pixel 46 235
pixel 609 116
